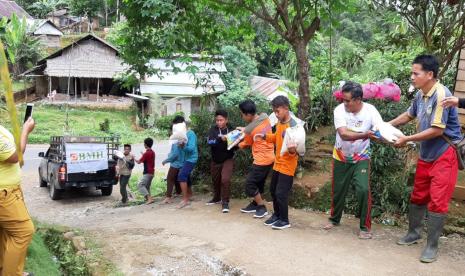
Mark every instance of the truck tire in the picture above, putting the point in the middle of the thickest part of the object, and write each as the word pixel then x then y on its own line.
pixel 54 192
pixel 42 182
pixel 106 191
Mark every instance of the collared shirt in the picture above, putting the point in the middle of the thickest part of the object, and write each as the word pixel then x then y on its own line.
pixel 10 172
pixel 429 112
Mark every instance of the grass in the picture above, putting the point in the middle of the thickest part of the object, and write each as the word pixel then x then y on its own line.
pixel 39 259
pixel 21 85
pixel 50 121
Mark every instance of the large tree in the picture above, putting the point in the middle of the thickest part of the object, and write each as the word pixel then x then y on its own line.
pixel 439 24
pixel 294 21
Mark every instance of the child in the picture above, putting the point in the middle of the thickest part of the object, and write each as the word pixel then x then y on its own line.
pixel 125 166
pixel 222 163
pixel 284 165
pixel 263 156
pixel 148 158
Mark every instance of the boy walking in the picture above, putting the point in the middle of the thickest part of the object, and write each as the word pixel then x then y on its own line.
pixel 263 156
pixel 222 163
pixel 124 167
pixel 148 158
pixel 284 165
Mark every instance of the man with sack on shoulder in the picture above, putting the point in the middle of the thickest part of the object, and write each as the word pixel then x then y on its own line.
pixel 437 167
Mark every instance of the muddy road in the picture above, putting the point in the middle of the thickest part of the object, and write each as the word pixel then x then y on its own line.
pixel 199 240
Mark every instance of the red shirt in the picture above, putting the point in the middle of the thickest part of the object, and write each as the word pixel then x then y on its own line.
pixel 148 158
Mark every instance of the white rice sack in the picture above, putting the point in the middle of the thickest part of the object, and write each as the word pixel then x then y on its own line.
pixel 388 133
pixel 295 135
pixel 179 132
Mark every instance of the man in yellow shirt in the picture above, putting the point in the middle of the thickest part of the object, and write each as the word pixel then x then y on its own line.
pixel 16 228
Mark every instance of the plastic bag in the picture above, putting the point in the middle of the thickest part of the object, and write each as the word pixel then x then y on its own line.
pixel 233 138
pixel 370 90
pixel 294 135
pixel 387 132
pixel 179 133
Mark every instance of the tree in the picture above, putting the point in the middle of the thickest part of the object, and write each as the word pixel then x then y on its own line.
pixel 296 22
pixel 439 24
pixel 23 51
pixel 164 28
pixel 89 8
pixel 41 8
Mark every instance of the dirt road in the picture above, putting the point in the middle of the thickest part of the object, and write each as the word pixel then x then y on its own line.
pixel 199 240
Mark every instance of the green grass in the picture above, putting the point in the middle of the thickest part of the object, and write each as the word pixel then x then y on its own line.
pixel 158 185
pixel 21 85
pixel 39 259
pixel 50 121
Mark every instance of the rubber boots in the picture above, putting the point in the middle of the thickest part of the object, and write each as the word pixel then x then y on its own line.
pixel 435 226
pixel 416 216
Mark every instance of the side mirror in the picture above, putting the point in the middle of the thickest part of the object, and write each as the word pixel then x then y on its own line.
pixel 41 154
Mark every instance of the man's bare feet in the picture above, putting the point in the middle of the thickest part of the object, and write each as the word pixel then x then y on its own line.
pixel 149 200
pixel 167 200
pixel 329 226
pixel 183 204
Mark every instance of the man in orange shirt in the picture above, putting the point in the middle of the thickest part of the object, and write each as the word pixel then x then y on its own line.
pixel 263 156
pixel 284 165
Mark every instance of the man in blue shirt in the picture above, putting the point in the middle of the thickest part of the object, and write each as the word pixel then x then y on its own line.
pixel 191 156
pixel 437 167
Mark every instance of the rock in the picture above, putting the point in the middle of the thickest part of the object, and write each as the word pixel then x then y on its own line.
pixel 69 235
pixel 79 243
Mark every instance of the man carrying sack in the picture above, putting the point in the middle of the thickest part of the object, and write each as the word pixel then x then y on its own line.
pixel 437 167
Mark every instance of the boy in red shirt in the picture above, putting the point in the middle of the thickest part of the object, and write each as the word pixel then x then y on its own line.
pixel 148 158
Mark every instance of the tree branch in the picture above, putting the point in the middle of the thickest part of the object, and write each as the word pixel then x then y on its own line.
pixel 310 31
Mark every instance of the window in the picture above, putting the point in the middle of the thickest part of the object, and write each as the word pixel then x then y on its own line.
pixel 178 107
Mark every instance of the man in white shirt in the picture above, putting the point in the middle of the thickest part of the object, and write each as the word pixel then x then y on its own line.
pixel 353 120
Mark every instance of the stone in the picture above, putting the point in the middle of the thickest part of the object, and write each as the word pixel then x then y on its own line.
pixel 79 243
pixel 69 235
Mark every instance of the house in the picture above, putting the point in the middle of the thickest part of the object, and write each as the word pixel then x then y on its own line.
pixel 269 87
pixel 46 31
pixel 7 8
pixel 68 23
pixel 184 91
pixel 84 69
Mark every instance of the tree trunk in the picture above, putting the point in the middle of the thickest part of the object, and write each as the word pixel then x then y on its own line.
pixel 300 49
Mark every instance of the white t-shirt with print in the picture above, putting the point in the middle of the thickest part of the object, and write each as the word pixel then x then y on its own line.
pixel 363 121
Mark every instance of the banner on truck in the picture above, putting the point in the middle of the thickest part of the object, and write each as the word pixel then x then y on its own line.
pixel 86 157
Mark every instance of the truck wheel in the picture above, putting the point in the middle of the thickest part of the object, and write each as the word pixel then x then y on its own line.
pixel 106 191
pixel 54 192
pixel 42 182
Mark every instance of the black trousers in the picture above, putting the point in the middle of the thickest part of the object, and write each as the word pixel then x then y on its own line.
pixel 280 188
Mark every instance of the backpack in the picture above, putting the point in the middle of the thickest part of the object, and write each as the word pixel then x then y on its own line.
pixel 459 150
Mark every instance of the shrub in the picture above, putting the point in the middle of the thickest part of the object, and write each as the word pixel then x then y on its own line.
pixel 164 122
pixel 105 125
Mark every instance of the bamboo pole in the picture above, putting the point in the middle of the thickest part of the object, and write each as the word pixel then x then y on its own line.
pixel 10 102
pixel 98 87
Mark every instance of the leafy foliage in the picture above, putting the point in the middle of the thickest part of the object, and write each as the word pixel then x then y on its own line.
pixel 238 65
pixel 23 50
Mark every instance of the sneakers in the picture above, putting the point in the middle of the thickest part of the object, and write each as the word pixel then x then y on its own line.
pixel 280 225
pixel 251 208
pixel 272 220
pixel 213 202
pixel 225 208
pixel 260 212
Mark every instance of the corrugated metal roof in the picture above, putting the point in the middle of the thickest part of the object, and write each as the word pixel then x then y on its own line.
pixel 7 8
pixel 202 65
pixel 266 86
pixel 181 84
pixel 43 27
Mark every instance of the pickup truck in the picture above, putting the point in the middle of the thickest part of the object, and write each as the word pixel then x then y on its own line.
pixel 80 162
